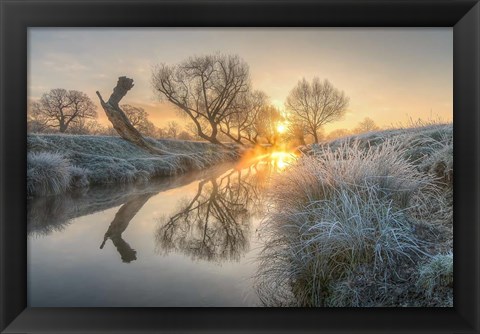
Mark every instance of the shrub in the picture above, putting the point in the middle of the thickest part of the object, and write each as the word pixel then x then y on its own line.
pixel 47 174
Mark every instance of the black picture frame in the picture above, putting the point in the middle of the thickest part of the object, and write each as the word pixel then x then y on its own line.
pixel 17 16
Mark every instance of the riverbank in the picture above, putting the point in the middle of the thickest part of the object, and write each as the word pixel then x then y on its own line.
pixel 59 163
pixel 363 221
pixel 46 214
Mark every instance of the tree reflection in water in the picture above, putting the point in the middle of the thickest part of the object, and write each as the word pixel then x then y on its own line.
pixel 54 213
pixel 215 224
pixel 120 223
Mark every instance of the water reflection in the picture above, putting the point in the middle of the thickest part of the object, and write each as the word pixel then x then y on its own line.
pixel 120 223
pixel 214 225
pixel 53 213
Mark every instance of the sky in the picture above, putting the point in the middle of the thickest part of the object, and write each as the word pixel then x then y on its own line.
pixel 390 74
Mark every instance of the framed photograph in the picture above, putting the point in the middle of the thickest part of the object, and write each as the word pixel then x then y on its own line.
pixel 207 166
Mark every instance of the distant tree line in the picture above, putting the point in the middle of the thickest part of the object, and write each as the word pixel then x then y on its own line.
pixel 214 95
pixel 73 112
pixel 367 125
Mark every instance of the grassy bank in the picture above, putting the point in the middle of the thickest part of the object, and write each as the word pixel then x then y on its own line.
pixel 46 214
pixel 58 163
pixel 363 221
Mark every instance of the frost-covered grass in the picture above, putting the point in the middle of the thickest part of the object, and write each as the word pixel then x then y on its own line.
pixel 418 142
pixel 436 273
pixel 47 173
pixel 57 163
pixel 343 227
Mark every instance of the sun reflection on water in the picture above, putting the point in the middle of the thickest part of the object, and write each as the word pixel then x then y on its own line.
pixel 282 160
pixel 277 158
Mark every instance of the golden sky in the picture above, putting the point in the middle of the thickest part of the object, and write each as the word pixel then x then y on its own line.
pixel 390 74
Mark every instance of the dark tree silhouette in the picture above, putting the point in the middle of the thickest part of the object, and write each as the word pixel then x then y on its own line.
pixel 241 125
pixel 265 124
pixel 316 104
pixel 366 125
pixel 60 108
pixel 139 119
pixel 120 223
pixel 296 133
pixel 173 129
pixel 120 121
pixel 338 133
pixel 205 88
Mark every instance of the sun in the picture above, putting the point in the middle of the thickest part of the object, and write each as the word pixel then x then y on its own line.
pixel 281 128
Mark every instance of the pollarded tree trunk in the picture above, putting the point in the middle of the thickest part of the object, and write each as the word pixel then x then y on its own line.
pixel 120 121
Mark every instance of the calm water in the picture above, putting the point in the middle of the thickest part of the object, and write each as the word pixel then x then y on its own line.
pixel 189 240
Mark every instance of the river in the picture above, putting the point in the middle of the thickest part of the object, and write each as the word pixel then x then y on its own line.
pixel 188 240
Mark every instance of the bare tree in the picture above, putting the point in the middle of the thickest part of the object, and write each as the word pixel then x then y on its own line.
pixel 191 128
pixel 85 127
pixel 59 108
pixel 161 132
pixel 206 88
pixel 338 133
pixel 136 115
pixel 107 131
pixel 316 104
pixel 239 126
pixel 296 133
pixel 184 135
pixel 173 129
pixel 366 125
pixel 266 124
pixel 35 125
pixel 139 119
